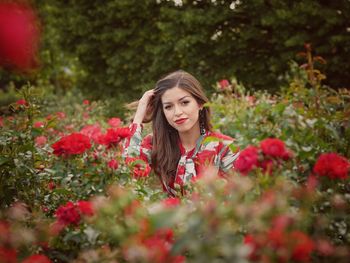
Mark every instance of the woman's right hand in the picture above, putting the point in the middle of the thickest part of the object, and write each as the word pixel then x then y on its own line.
pixel 142 106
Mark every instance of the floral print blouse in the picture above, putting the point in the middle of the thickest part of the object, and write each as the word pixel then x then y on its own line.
pixel 212 149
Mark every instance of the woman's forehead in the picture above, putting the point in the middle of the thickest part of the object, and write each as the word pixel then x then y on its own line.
pixel 174 94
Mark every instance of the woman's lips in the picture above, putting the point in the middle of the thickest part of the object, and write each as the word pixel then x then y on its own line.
pixel 180 121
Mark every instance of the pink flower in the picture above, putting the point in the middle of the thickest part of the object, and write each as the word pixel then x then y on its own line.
pixel 60 115
pixel 114 122
pixel 113 164
pixel 40 141
pixel 247 160
pixel 39 124
pixel 224 83
pixel 86 102
pixel 37 259
pixel 93 132
pixel 332 165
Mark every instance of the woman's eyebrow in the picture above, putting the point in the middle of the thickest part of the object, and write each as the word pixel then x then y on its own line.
pixel 179 100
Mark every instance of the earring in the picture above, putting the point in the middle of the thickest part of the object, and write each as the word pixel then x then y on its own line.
pixel 201 122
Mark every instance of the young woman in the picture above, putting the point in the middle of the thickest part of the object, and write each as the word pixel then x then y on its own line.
pixel 182 144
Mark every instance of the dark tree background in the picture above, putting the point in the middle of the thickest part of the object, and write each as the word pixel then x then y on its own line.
pixel 121 47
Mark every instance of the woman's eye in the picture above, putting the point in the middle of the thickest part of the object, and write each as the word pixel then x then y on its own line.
pixel 168 107
pixel 185 102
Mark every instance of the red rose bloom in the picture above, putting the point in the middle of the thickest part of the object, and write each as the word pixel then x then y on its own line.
pixel 37 259
pixel 85 208
pixel 68 214
pixel 247 160
pixel 224 83
pixel 273 147
pixel 19 36
pixel 75 143
pixel 139 166
pixel 332 166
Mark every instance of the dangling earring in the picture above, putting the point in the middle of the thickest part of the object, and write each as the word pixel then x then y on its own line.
pixel 201 122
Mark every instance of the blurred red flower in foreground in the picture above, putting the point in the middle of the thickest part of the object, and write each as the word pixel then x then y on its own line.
pixel 19 36
pixel 37 259
pixel 113 164
pixel 75 143
pixel 332 166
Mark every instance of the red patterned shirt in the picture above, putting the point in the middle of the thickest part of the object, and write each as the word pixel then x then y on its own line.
pixel 212 149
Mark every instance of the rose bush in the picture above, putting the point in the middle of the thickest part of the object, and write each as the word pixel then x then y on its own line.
pixel 68 196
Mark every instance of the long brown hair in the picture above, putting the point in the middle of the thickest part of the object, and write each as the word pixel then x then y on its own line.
pixel 165 153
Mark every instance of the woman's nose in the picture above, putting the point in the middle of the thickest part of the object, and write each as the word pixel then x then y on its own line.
pixel 178 110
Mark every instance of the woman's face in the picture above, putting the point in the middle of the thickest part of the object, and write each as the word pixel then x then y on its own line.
pixel 181 110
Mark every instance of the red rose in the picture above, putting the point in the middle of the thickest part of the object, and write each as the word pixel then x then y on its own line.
pixel 332 166
pixel 86 102
pixel 139 166
pixel 113 164
pixel 37 259
pixel 247 160
pixel 273 147
pixel 68 214
pixel 224 83
pixel 302 246
pixel 85 208
pixel 110 138
pixel 124 132
pixel 19 36
pixel 75 143
pixel 114 122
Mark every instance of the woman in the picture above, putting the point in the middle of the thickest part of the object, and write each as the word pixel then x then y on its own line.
pixel 183 142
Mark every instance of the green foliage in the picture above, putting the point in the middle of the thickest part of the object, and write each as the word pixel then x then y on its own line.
pixel 125 46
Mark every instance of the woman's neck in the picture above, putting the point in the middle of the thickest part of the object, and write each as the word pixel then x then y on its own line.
pixel 189 138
